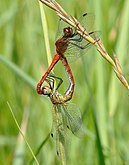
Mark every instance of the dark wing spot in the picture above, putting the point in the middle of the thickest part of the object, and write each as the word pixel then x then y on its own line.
pixel 67 126
pixel 57 153
pixel 84 14
pixel 52 135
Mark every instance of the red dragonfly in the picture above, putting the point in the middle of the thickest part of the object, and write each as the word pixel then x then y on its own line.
pixel 66 117
pixel 73 44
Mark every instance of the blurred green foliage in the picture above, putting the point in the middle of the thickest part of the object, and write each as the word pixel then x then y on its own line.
pixel 102 98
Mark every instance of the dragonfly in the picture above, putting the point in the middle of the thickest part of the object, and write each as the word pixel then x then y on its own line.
pixel 66 116
pixel 69 44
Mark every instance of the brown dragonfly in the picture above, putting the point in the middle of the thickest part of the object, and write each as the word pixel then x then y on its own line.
pixel 70 44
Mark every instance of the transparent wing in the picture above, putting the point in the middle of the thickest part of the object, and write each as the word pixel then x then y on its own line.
pixel 74 119
pixel 65 117
pixel 60 29
pixel 86 20
pixel 77 45
pixel 58 133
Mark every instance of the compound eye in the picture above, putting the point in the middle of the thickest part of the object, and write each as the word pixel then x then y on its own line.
pixel 66 30
pixel 46 90
pixel 71 30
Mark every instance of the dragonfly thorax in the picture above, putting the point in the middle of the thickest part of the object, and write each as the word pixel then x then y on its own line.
pixel 63 42
pixel 57 98
pixel 61 45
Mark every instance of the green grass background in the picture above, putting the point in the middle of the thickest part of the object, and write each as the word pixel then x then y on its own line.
pixel 103 100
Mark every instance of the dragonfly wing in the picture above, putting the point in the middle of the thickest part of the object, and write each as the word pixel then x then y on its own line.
pixel 74 50
pixel 60 146
pixel 87 21
pixel 60 29
pixel 59 134
pixel 74 120
pixel 78 46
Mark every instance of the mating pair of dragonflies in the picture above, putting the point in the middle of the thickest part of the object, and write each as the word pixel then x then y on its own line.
pixel 65 116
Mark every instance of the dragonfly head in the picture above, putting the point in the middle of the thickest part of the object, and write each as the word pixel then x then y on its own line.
pixel 68 32
pixel 47 90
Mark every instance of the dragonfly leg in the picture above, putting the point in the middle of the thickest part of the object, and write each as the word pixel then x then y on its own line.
pixel 50 81
pixel 79 39
pixel 86 45
pixel 81 47
pixel 60 81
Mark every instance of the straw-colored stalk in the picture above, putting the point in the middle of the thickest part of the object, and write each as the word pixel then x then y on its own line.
pixel 82 31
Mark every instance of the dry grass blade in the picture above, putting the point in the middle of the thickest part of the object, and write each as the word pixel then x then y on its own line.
pixel 61 10
pixel 48 3
pixel 82 31
pixel 121 78
pixel 117 64
pixel 102 51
